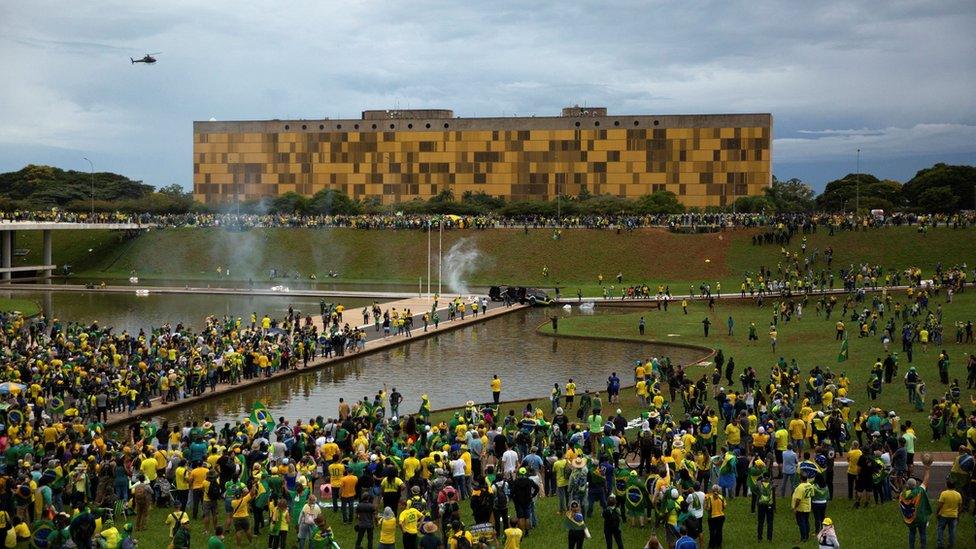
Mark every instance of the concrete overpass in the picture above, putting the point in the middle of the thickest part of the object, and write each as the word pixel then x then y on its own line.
pixel 8 240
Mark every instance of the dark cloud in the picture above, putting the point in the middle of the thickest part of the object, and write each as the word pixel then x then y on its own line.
pixel 894 77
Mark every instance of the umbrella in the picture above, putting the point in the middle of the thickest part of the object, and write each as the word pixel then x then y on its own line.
pixel 10 387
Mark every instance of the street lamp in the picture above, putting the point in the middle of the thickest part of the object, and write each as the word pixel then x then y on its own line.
pixel 92 172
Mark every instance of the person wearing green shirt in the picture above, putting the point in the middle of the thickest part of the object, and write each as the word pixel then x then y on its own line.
pixel 915 507
pixel 216 541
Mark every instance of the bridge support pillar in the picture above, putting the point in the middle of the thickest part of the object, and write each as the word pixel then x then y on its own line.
pixel 47 256
pixel 7 249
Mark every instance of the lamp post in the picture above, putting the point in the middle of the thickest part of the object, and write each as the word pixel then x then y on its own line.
pixel 857 190
pixel 91 168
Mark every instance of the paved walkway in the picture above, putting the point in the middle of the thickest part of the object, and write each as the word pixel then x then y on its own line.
pixel 374 342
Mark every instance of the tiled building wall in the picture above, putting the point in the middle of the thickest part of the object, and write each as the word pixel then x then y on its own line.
pixel 704 166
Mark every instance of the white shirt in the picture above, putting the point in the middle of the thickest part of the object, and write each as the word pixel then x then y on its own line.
pixel 458 467
pixel 509 461
pixel 700 498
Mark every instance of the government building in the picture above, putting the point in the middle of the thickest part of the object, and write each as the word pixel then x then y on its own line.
pixel 401 155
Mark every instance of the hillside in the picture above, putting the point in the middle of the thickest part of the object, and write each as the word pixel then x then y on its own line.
pixel 488 257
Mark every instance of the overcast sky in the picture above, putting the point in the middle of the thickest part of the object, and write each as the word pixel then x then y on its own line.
pixel 895 78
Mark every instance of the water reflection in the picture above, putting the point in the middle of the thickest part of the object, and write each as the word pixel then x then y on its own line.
pixel 451 368
pixel 125 311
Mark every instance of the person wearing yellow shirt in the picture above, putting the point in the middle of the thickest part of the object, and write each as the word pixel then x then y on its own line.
pixel 853 455
pixel 241 513
pixel 178 516
pixel 409 521
pixel 496 389
pixel 798 432
pixel 18 535
pixel 641 390
pixel 148 468
pixel 410 466
pixel 733 434
pixel 388 527
pixel 513 535
pixel 198 475
pixel 570 393
pixel 182 483
pixel 110 537
pixel 329 451
pixel 802 503
pixel 715 507
pixel 336 471
pixel 278 532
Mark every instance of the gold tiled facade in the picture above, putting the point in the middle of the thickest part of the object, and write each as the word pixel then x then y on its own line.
pixel 706 160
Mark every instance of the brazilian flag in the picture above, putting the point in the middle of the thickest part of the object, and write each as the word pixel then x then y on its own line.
pixel 57 405
pixel 15 417
pixel 261 416
pixel 842 356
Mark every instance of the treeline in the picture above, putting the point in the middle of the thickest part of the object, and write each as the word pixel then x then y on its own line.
pixel 330 202
pixel 45 187
pixel 940 188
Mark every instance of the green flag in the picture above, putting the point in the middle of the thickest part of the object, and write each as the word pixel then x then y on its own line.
pixel 261 416
pixel 842 355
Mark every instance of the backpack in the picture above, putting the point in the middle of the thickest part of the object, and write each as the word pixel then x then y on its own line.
pixel 765 493
pixel 214 492
pixel 501 494
pixel 181 534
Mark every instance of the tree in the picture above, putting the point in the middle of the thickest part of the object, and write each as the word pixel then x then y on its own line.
pixel 659 202
pixel 289 203
pixel 482 200
pixel 959 181
pixel 937 199
pixel 43 187
pixel 790 196
pixel 842 194
pixel 755 204
pixel 333 202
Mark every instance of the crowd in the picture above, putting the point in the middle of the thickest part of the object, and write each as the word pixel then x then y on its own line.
pixel 777 226
pixel 670 466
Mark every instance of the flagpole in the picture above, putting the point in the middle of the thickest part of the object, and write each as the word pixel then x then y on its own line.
pixel 440 250
pixel 428 258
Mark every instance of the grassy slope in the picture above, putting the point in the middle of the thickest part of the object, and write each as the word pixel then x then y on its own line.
pixel 505 255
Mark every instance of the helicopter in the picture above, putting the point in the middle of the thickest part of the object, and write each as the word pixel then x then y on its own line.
pixel 148 59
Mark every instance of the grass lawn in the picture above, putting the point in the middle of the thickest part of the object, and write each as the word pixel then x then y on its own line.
pixel 23 306
pixel 876 526
pixel 504 256
pixel 810 340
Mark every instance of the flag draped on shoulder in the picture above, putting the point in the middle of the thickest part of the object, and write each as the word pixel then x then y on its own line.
pixel 261 416
pixel 842 355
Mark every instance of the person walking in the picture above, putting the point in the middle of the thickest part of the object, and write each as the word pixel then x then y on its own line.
pixel 802 503
pixel 611 524
pixel 731 324
pixel 496 389
pixel 705 324
pixel 640 326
